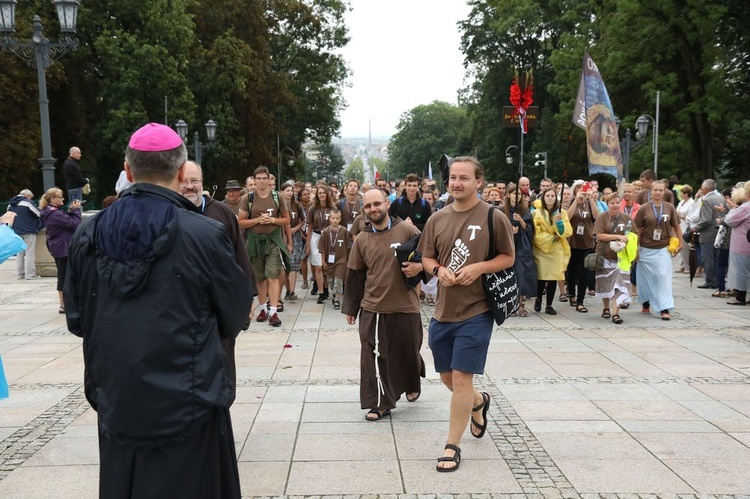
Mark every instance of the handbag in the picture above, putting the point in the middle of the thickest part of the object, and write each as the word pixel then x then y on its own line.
pixel 720 235
pixel 10 243
pixel 500 288
pixel 594 261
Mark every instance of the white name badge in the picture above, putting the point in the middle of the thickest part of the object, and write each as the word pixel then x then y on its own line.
pixel 579 230
pixel 657 235
pixel 331 258
pixel 348 227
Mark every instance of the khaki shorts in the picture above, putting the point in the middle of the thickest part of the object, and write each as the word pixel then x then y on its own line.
pixel 267 266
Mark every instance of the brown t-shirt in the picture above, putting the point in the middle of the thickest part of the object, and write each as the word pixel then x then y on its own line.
pixel 582 223
pixel 349 211
pixel 296 216
pixel 459 238
pixel 648 225
pixel 385 290
pixel 317 218
pixel 264 205
pixel 358 225
pixel 335 244
pixel 607 225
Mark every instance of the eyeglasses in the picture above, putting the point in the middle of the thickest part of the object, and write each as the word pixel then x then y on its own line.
pixel 193 181
pixel 376 204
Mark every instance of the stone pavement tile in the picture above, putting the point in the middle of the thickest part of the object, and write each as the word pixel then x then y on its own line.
pixel 632 333
pixel 327 358
pixel 262 447
pixel 542 410
pixel 273 428
pixel 742 437
pixel 423 445
pixel 287 412
pixel 250 394
pixel 6 431
pixel 475 476
pixel 508 346
pixel 586 446
pixel 88 418
pixel 688 446
pixel 620 475
pixel 586 358
pixel 719 414
pixel 625 391
pixel 422 411
pixel 66 451
pixel 296 357
pixel 601 345
pixel 649 343
pixel 634 365
pixel 359 428
pixel 680 391
pixel 556 345
pixel 80 431
pixel 263 478
pixel 726 392
pixel 741 406
pixel 35 347
pixel 318 393
pixel 499 371
pixel 244 412
pixel 568 426
pixel 285 394
pixel 540 392
pixel 61 370
pixel 350 371
pixel 345 447
pixel 332 411
pixel 254 373
pixel 24 405
pixel 648 410
pixel 668 426
pixel 539 334
pixel 246 359
pixel 602 369
pixel 337 477
pixel 17 368
pixel 289 372
pixel 52 482
pixel 702 370
pixel 727 476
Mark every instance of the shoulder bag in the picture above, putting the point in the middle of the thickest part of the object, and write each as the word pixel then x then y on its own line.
pixel 500 288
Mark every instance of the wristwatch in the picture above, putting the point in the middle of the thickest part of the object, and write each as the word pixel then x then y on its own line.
pixel 435 270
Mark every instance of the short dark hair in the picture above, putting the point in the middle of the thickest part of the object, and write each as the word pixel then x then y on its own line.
pixel 478 168
pixel 412 177
pixel 262 169
pixel 648 175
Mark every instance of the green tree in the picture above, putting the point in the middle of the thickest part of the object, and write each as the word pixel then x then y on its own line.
pixel 424 134
pixel 356 169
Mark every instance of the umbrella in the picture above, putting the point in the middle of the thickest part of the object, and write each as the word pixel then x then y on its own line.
pixel 693 261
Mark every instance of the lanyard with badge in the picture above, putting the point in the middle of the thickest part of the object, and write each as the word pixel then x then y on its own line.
pixel 333 239
pixel 657 232
pixel 352 209
pixel 581 228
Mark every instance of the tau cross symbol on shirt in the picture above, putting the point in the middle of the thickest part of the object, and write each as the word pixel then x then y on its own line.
pixel 270 212
pixel 473 229
pixel 394 246
pixel 354 215
pixel 665 218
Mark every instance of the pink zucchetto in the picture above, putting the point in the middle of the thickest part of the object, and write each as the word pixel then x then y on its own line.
pixel 154 137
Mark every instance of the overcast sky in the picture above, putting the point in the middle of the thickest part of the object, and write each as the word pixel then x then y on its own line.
pixel 402 53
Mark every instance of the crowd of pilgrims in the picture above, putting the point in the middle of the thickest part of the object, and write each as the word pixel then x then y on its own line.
pixel 555 227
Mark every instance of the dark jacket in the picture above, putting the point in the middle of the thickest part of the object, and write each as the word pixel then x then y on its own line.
pixel 74 179
pixel 418 211
pixel 60 228
pixel 153 287
pixel 27 219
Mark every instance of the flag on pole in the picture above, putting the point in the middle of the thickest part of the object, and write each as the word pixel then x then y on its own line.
pixel 376 173
pixel 593 113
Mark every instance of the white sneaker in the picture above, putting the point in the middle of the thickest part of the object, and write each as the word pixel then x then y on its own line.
pixel 33 277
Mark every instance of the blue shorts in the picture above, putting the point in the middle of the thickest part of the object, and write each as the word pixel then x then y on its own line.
pixel 461 346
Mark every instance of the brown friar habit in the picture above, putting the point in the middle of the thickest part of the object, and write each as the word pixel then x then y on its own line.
pixel 224 215
pixel 375 291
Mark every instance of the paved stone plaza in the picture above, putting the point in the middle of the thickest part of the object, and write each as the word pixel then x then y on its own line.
pixel 580 407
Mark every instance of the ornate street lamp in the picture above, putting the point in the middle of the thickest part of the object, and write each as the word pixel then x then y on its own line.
pixel 40 53
pixel 197 147
pixel 508 157
pixel 641 125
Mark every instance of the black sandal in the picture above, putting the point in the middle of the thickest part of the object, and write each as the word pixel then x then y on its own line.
pixel 606 314
pixel 581 308
pixel 379 414
pixel 456 458
pixel 485 407
pixel 616 319
pixel 413 396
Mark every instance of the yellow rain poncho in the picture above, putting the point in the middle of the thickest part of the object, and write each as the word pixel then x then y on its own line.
pixel 626 256
pixel 551 249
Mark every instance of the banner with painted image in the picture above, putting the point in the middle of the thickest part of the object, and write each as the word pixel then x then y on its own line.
pixel 593 112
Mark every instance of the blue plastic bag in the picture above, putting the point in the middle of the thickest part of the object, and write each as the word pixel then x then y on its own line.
pixel 3 382
pixel 10 243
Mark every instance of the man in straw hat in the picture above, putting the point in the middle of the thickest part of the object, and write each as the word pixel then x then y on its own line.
pixel 153 288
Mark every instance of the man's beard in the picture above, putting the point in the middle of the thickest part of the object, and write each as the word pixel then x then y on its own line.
pixel 379 220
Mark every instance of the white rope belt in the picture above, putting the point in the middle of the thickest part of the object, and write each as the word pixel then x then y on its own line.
pixel 381 388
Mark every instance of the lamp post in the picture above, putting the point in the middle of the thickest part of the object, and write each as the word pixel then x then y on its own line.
pixel 40 53
pixel 291 161
pixel 641 125
pixel 508 157
pixel 197 146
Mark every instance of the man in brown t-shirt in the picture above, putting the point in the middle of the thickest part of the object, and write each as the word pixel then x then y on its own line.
pixel 454 248
pixel 389 318
pixel 265 246
pixel 655 222
pixel 648 177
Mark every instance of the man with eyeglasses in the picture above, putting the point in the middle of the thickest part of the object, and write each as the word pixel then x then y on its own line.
pixel 192 190
pixel 389 317
pixel 153 287
pixel 264 213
